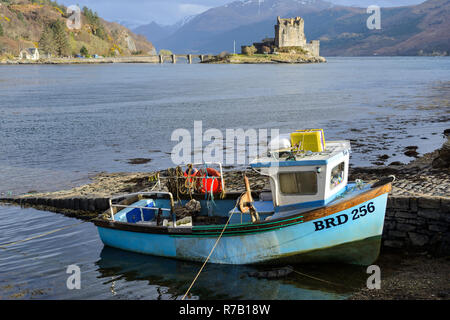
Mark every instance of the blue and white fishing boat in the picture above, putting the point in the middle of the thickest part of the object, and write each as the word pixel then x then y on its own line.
pixel 310 214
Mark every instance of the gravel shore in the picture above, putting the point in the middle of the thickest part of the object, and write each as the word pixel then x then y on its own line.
pixel 410 276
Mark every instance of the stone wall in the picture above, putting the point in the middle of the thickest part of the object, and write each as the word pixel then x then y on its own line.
pixel 419 223
pixel 313 47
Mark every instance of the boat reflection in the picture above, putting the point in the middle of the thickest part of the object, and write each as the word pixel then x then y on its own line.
pixel 172 278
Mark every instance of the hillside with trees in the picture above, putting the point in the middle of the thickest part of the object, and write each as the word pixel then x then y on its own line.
pixel 42 24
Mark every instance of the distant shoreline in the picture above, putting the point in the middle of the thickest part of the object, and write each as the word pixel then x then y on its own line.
pixel 209 59
pixel 167 59
pixel 140 59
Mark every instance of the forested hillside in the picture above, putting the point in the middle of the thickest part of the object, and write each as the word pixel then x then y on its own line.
pixel 42 24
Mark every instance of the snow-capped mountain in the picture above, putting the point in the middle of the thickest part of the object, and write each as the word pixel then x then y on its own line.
pixel 342 30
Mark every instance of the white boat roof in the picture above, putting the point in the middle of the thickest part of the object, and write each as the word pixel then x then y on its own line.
pixel 332 149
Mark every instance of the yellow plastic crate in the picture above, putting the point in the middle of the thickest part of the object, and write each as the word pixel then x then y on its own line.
pixel 308 140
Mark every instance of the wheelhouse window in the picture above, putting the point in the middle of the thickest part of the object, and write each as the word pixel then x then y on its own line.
pixel 337 175
pixel 300 183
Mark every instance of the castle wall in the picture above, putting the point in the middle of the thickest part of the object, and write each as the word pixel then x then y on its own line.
pixel 313 47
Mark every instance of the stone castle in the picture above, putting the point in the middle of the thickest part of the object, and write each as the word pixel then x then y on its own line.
pixel 288 33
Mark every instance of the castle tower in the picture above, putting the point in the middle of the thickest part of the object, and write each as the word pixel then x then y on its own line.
pixel 290 32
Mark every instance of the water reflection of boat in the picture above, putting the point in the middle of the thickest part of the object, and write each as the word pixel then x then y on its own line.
pixel 310 214
pixel 170 278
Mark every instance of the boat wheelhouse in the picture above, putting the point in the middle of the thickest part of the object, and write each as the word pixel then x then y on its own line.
pixel 310 213
pixel 306 180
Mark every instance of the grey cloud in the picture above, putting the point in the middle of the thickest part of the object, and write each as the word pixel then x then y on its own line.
pixel 171 11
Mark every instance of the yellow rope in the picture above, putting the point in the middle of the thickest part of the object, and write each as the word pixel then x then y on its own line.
pixel 318 279
pixel 223 192
pixel 322 280
pixel 204 263
pixel 212 250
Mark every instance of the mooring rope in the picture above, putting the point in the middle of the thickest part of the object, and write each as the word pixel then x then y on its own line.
pixel 322 280
pixel 212 250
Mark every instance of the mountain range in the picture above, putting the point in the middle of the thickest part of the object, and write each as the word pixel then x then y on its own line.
pixel 421 29
pixel 159 32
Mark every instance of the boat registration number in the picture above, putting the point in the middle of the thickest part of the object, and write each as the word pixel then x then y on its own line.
pixel 344 218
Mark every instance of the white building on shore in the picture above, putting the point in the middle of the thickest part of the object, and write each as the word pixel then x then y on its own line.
pixel 29 54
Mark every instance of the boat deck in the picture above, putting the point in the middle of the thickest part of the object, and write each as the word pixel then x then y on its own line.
pixel 216 213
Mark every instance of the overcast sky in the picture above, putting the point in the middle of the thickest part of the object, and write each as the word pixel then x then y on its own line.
pixel 171 11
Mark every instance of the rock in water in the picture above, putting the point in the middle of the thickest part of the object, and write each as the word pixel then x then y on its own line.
pixel 443 160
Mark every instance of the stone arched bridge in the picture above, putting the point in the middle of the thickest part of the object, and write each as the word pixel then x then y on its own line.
pixel 189 58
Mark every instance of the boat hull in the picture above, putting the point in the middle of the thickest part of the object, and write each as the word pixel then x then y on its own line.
pixel 348 233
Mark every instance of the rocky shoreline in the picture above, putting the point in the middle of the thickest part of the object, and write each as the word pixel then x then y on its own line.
pixel 265 59
pixel 426 176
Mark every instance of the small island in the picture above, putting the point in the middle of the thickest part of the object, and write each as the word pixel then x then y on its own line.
pixel 288 46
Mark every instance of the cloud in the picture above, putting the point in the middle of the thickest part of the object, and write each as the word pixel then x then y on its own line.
pixel 381 3
pixel 189 9
pixel 161 11
pixel 171 11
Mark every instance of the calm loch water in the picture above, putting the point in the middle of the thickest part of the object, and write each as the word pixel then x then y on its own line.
pixel 59 125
